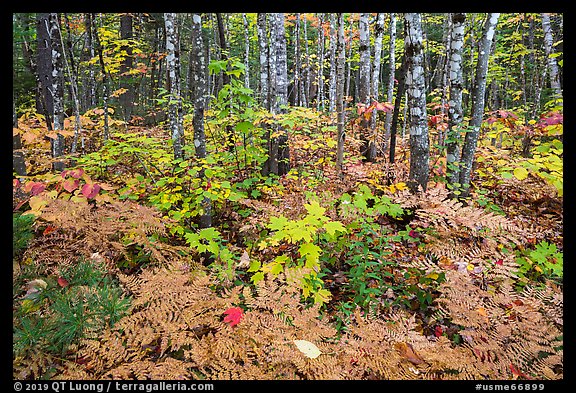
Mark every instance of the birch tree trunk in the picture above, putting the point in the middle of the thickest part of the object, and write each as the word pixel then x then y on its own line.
pixel 332 79
pixel 57 143
pixel 200 91
pixel 548 47
pixel 339 90
pixel 282 93
pixel 263 59
pixel 368 147
pixel 455 113
pixel 391 74
pixel 320 80
pixel 416 89
pixel 379 33
pixel 298 88
pixel 175 102
pixel 444 73
pixel 246 52
pixel 305 93
pixel 478 98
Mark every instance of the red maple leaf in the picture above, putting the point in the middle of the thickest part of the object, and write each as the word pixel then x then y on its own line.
pixel 233 316
pixel 438 331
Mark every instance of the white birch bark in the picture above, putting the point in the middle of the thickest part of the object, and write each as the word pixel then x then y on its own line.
pixel 332 78
pixel 478 100
pixel 548 47
pixel 263 59
pixel 374 96
pixel 391 72
pixel 339 90
pixel 416 89
pixel 175 101
pixel 246 52
pixel 368 147
pixel 200 93
pixel 57 89
pixel 455 111
pixel 321 39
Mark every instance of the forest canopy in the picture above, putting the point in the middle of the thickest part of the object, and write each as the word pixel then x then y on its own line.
pixel 288 196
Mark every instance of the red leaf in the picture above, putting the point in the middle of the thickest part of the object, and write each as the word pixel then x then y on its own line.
pixel 63 282
pixel 34 188
pixel 49 228
pixel 438 331
pixel 413 233
pixel 233 315
pixel 499 262
pixel 517 372
pixel 90 190
pixel 70 185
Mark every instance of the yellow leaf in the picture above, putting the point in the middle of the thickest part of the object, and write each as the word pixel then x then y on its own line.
pixel 482 311
pixel 433 276
pixel 308 349
pixel 470 267
pixel 521 173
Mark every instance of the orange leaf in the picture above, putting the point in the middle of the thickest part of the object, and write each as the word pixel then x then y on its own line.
pixel 406 350
pixel 63 282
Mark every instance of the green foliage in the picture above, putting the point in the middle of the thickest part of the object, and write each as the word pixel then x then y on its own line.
pixel 55 317
pixel 22 232
pixel 545 261
pixel 302 237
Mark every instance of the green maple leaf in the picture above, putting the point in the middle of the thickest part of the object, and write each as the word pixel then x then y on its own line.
pixel 314 209
pixel 332 227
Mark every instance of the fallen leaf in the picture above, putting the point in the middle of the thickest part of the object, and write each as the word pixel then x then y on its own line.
pixel 406 350
pixel 233 316
pixel 244 261
pixel 63 282
pixel 308 349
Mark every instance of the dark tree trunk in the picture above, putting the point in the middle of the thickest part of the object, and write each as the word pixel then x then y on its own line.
pixel 44 67
pixel 126 98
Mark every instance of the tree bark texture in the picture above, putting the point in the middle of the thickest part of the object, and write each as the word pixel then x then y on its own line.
pixel 416 88
pixel 478 100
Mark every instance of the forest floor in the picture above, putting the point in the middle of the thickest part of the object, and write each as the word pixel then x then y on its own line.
pixel 357 277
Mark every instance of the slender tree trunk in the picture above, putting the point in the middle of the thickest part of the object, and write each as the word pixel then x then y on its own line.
pixel 416 88
pixel 478 98
pixel 305 94
pixel 332 79
pixel 282 91
pixel 444 73
pixel 44 67
pixel 263 59
pixel 127 98
pixel 320 80
pixel 200 91
pixel 339 76
pixel 246 52
pixel 74 92
pixel 173 67
pixel 552 64
pixel 90 98
pixel 374 96
pixel 298 88
pixel 368 147
pixel 455 112
pixel 391 75
pixel 397 101
pixel 57 143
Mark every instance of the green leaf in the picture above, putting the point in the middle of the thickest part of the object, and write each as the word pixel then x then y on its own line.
pixel 277 223
pixel 332 227
pixel 311 252
pixel 507 175
pixel 314 209
pixel 254 266
pixel 520 173
pixel 257 277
